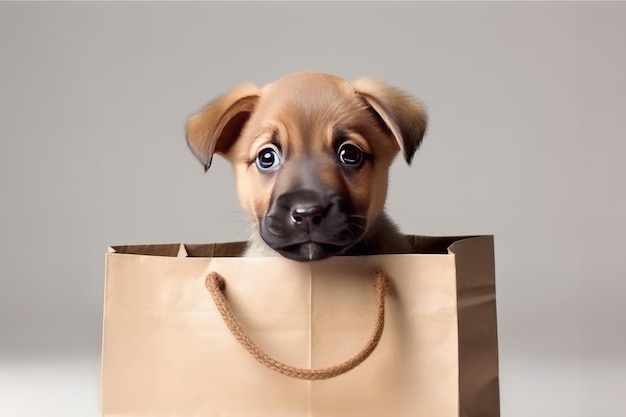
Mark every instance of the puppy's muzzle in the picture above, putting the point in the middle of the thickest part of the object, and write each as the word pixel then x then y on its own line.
pixel 307 225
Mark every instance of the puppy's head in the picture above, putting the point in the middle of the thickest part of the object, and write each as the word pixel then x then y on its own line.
pixel 311 154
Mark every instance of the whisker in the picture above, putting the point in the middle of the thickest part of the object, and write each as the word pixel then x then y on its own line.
pixel 360 226
pixel 396 213
pixel 357 216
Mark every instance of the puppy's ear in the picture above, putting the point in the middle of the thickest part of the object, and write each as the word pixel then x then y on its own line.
pixel 216 127
pixel 404 116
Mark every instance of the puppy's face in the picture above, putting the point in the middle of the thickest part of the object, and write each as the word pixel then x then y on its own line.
pixel 311 154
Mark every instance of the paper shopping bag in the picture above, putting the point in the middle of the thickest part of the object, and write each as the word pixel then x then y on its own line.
pixel 197 330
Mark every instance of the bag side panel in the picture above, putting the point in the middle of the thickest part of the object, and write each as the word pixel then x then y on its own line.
pixel 478 339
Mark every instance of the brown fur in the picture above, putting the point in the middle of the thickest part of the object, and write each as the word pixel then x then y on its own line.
pixel 307 115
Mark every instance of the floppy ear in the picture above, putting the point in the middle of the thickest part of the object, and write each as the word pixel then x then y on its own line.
pixel 404 116
pixel 216 127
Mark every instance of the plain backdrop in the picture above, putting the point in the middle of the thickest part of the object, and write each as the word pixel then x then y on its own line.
pixel 527 105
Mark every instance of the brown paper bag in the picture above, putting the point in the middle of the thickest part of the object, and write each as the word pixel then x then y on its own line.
pixel 167 350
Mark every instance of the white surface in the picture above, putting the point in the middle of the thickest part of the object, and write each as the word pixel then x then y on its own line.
pixel 532 387
pixel 50 387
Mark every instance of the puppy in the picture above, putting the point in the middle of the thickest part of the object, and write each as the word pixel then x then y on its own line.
pixel 311 154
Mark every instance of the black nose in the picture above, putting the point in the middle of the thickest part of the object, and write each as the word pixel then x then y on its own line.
pixel 303 209
pixel 307 214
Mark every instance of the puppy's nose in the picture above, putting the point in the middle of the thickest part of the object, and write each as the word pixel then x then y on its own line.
pixel 311 214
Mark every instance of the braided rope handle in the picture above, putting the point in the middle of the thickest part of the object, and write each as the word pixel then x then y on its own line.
pixel 216 285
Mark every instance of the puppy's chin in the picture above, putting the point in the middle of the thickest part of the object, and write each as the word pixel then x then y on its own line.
pixel 309 251
pixel 304 246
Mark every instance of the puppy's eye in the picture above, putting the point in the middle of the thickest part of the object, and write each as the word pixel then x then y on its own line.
pixel 268 158
pixel 350 154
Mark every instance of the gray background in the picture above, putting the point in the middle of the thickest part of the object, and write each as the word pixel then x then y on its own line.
pixel 527 104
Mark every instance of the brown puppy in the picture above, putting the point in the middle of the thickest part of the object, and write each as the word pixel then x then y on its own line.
pixel 311 154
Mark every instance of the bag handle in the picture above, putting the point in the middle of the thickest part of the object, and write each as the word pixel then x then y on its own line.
pixel 216 285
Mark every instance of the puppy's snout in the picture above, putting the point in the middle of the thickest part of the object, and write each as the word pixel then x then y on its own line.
pixel 310 224
pixel 311 214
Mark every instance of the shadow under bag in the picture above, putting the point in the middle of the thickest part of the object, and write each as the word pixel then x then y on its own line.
pixel 197 330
